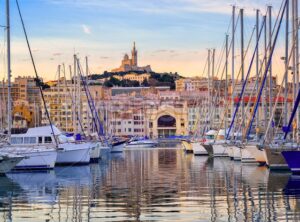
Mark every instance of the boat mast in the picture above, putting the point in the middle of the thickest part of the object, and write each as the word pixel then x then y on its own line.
pixel 58 98
pixel 270 69
pixel 294 26
pixel 87 113
pixel 66 98
pixel 257 69
pixel 265 89
pixel 72 97
pixel 266 70
pixel 242 64
pixel 79 105
pixel 209 87
pixel 232 60
pixel 286 64
pixel 9 100
pixel 226 84
pixel 213 105
pixel 75 92
pixel 297 60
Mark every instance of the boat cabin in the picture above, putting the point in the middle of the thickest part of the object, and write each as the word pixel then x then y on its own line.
pixel 29 140
pixel 35 136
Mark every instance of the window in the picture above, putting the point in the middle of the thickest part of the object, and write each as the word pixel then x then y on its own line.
pixel 129 129
pixel 40 140
pixel 29 140
pixel 48 139
pixel 16 140
pixel 150 125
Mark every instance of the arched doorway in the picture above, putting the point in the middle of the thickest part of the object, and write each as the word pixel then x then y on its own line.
pixel 166 126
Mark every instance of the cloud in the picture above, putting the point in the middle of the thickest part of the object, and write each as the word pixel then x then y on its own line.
pixel 164 51
pixel 86 29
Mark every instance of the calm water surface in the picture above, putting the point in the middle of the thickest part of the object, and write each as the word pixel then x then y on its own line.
pixel 152 185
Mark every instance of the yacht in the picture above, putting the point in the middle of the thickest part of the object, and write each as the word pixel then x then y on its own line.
pixel 70 150
pixel 292 159
pixel 117 145
pixel 98 149
pixel 198 149
pixel 37 148
pixel 42 150
pixel 215 147
pixel 187 146
pixel 8 162
pixel 237 153
pixel 140 143
pixel 274 157
pixel 257 153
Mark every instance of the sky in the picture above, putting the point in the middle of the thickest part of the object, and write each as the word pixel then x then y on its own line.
pixel 170 35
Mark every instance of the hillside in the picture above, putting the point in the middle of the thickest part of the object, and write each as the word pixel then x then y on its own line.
pixel 155 79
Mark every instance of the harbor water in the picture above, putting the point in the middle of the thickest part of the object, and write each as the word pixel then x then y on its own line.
pixel 160 184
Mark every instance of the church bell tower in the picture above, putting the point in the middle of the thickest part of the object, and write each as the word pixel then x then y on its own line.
pixel 134 55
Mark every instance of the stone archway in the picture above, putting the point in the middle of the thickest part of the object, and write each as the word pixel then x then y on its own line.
pixel 166 121
pixel 166 126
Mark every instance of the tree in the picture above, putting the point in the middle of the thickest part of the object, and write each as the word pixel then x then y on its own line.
pixel 145 83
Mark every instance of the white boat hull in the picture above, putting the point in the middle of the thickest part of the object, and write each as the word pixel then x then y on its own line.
pixel 219 150
pixel 237 155
pixel 141 145
pixel 95 152
pixel 230 151
pixel 35 158
pixel 257 154
pixel 117 148
pixel 73 153
pixel 198 149
pixel 144 143
pixel 187 146
pixel 104 150
pixel 8 163
pixel 247 156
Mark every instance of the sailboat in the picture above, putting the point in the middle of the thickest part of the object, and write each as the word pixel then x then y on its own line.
pixel 187 146
pixel 236 146
pixel 77 147
pixel 140 142
pixel 195 144
pixel 36 157
pixel 292 155
pixel 8 162
pixel 272 151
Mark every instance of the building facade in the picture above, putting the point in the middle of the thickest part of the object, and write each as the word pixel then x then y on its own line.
pixel 68 106
pixel 134 77
pixel 26 102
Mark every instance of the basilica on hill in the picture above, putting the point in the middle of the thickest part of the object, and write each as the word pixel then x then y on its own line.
pixel 132 64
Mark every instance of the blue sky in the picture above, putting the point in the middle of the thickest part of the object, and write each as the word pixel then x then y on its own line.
pixel 171 35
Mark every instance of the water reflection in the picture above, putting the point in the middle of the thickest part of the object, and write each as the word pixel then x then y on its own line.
pixel 152 185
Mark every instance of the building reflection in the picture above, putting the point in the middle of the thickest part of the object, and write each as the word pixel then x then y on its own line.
pixel 152 185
